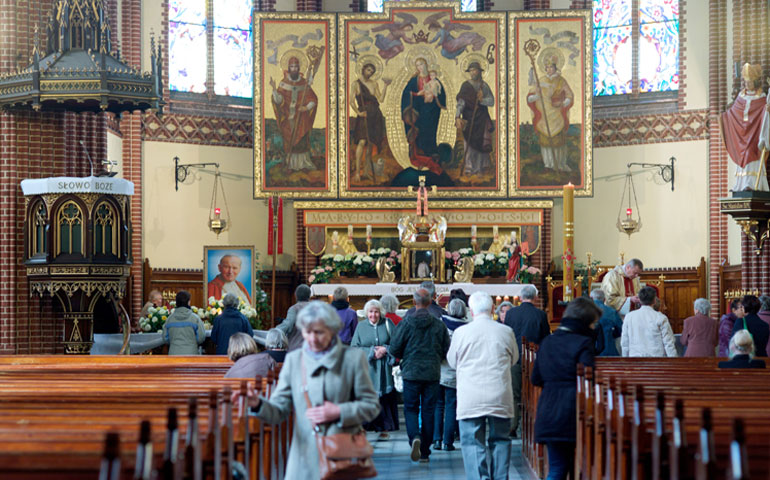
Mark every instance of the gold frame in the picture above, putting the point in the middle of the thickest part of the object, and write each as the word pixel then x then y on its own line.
pixel 501 94
pixel 252 266
pixel 260 190
pixel 407 254
pixel 513 151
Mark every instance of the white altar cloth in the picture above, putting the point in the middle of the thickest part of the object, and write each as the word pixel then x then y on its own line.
pixel 404 289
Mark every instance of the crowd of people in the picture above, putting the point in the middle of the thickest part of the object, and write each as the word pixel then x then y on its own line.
pixel 458 370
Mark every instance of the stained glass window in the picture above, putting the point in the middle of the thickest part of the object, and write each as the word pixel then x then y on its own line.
pixel 188 39
pixel 657 44
pixel 378 5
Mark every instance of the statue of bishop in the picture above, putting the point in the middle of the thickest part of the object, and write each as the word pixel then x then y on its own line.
pixel 745 130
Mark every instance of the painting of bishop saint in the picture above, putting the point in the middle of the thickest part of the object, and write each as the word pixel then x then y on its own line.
pixel 294 105
pixel 421 104
pixel 551 111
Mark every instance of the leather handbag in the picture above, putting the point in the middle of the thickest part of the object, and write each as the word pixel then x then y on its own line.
pixel 341 456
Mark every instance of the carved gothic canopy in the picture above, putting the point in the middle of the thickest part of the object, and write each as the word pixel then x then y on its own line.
pixel 78 71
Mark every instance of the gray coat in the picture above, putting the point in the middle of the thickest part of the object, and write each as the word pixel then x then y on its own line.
pixel 183 331
pixel 341 376
pixel 289 326
pixel 366 337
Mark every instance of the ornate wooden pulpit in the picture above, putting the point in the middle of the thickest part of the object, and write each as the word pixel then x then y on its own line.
pixel 77 237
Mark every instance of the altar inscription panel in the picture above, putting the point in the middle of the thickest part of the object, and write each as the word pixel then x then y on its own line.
pixel 551 101
pixel 295 105
pixel 403 74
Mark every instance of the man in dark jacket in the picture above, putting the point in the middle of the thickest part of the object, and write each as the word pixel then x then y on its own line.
pixel 434 308
pixel 421 342
pixel 228 323
pixel 527 321
pixel 341 302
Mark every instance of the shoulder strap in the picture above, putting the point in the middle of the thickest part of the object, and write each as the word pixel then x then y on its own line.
pixel 304 379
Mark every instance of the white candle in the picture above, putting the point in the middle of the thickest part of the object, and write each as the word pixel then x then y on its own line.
pixel 368 232
pixel 494 231
pixel 473 231
pixel 350 231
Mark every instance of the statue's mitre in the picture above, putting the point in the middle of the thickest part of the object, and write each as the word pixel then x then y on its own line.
pixel 751 72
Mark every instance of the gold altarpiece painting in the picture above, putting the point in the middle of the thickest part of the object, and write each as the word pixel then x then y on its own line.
pixel 295 106
pixel 357 106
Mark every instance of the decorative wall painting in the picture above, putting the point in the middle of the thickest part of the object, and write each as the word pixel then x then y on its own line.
pixel 551 100
pixel 295 105
pixel 422 92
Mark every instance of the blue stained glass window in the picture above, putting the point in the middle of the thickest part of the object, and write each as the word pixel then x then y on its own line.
pixel 232 60
pixel 378 5
pixel 612 47
pixel 658 45
pixel 188 40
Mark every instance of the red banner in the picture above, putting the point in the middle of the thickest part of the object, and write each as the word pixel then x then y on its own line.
pixel 270 226
pixel 280 225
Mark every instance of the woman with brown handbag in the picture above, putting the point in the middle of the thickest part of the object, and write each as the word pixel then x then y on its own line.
pixel 328 385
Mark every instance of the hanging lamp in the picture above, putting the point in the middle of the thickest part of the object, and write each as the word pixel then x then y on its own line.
pixel 217 224
pixel 628 224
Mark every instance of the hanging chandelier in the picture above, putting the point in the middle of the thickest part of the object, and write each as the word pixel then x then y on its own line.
pixel 628 224
pixel 217 223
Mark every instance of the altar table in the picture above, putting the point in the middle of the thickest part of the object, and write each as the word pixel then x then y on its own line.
pixel 403 289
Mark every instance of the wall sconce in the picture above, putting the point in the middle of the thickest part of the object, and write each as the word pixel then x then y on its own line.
pixel 631 223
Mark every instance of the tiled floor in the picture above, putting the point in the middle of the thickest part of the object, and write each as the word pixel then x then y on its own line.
pixel 391 457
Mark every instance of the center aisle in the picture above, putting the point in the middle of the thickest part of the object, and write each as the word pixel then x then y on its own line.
pixel 391 457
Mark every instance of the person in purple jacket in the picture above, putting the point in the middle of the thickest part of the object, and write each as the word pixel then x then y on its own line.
pixel 347 315
pixel 726 327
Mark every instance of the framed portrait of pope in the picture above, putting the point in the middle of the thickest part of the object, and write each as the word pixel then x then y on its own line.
pixel 229 269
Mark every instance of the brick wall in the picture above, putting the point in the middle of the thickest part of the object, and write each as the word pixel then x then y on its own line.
pixel 718 76
pixel 130 127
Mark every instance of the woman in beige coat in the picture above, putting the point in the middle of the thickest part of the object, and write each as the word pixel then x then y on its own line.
pixel 340 390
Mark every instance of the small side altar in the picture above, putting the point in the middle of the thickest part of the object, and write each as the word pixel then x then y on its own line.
pixel 407 289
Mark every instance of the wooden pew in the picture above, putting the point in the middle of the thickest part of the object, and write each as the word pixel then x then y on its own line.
pixel 648 418
pixel 62 426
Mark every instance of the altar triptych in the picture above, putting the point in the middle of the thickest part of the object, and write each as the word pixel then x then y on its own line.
pixel 483 105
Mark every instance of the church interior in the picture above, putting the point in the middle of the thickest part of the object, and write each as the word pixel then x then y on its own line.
pixel 543 142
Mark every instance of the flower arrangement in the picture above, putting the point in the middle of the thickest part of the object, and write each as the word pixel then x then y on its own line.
pixel 490 264
pixel 156 319
pixel 158 316
pixel 451 259
pixel 215 308
pixel 359 264
pixel 321 274
pixel 528 274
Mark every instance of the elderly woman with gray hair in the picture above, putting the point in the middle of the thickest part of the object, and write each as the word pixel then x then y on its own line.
pixel 742 352
pixel 337 382
pixel 389 306
pixel 699 334
pixel 228 323
pixel 248 363
pixel 372 336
